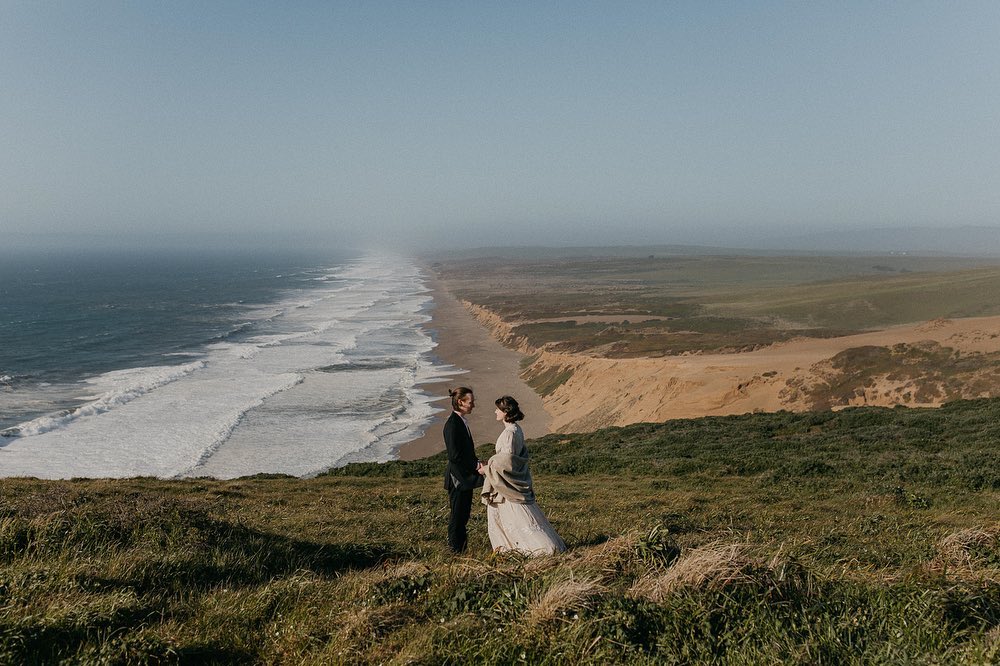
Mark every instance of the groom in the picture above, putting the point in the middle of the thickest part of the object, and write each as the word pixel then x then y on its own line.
pixel 461 477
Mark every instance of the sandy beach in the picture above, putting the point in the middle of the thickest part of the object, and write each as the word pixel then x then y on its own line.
pixel 491 370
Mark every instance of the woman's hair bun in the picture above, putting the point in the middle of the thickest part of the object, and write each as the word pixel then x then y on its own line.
pixel 509 407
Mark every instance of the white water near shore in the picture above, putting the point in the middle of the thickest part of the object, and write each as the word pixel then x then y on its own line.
pixel 339 382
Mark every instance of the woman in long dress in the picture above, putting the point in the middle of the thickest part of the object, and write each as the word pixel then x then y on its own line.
pixel 513 518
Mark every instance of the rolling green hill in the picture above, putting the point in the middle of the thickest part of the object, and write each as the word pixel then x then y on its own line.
pixel 860 536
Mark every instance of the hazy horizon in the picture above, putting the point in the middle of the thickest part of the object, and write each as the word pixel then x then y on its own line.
pixel 417 127
pixel 965 241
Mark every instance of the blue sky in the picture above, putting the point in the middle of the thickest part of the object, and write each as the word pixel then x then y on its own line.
pixel 423 124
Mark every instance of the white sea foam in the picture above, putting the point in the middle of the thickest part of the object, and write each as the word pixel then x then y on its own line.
pixel 335 379
pixel 116 389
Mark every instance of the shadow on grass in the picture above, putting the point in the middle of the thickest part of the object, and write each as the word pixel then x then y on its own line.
pixel 143 559
pixel 161 541
pixel 244 557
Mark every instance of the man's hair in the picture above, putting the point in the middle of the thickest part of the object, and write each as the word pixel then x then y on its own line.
pixel 458 394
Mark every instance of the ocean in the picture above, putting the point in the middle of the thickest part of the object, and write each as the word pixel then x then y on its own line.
pixel 210 364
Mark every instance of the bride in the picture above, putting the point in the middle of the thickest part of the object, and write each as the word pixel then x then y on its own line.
pixel 513 518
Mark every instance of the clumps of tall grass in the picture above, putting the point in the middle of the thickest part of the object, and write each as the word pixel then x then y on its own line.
pixel 564 599
pixel 719 565
pixel 973 551
pixel 608 560
pixel 624 556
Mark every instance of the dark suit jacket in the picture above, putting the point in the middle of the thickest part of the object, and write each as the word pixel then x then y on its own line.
pixel 461 472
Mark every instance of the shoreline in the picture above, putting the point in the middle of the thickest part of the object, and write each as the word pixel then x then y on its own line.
pixel 486 366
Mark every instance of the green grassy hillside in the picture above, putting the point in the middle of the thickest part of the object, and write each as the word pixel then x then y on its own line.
pixel 862 536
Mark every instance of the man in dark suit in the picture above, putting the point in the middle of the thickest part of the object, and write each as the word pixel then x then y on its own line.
pixel 462 476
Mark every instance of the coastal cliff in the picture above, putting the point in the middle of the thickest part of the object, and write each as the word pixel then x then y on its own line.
pixel 917 365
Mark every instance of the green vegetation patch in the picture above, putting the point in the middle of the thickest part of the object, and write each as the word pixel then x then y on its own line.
pixel 546 381
pixel 646 338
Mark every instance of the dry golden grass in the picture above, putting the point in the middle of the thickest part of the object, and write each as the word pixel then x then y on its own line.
pixel 368 624
pixel 715 566
pixel 962 552
pixel 607 560
pixel 401 570
pixel 993 641
pixel 471 566
pixel 563 598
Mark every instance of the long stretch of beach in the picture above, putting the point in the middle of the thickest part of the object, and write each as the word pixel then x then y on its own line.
pixel 654 389
pixel 491 369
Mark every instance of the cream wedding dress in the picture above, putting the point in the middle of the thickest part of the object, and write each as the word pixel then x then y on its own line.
pixel 514 520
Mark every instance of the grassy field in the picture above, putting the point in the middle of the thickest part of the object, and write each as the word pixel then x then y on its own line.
pixel 663 305
pixel 865 536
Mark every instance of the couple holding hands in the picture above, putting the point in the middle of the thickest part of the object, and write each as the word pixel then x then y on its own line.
pixel 514 521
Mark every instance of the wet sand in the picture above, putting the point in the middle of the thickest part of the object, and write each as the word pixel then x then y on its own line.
pixel 491 371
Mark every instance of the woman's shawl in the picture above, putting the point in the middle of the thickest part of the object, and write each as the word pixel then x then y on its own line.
pixel 507 476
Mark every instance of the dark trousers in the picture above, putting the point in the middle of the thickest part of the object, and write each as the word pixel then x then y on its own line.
pixel 461 509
